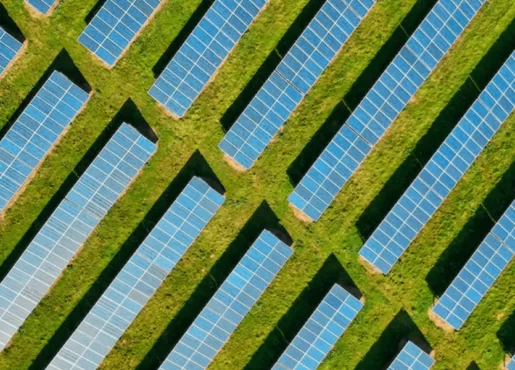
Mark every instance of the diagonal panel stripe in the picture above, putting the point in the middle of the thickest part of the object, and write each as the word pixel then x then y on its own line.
pixel 140 278
pixel 67 229
pixel 116 26
pixel 412 357
pixel 321 332
pixel 35 133
pixel 284 90
pixel 382 104
pixel 203 53
pixel 479 273
pixel 232 301
pixel 443 171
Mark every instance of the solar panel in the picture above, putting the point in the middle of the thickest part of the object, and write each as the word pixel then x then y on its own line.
pixel 231 302
pixel 321 332
pixel 66 230
pixel 292 79
pixel 116 26
pixel 479 273
pixel 35 132
pixel 140 278
pixel 412 358
pixel 511 364
pixel 42 6
pixel 9 49
pixel 204 51
pixel 382 104
pixel 443 171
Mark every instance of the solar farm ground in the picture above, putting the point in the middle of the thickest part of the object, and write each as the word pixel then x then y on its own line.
pixel 325 252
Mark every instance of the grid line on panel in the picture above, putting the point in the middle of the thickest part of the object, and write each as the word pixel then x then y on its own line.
pixel 140 277
pixel 295 75
pixel 66 230
pixel 443 171
pixel 412 357
pixel 115 27
pixel 479 273
pixel 230 304
pixel 36 131
pixel 9 49
pixel 42 6
pixel 321 331
pixel 382 104
pixel 203 52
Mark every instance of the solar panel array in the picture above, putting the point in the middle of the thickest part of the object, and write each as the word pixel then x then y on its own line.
pixel 204 51
pixel 36 131
pixel 479 273
pixel 511 364
pixel 115 27
pixel 382 104
pixel 321 332
pixel 412 358
pixel 443 171
pixel 9 48
pixel 230 304
pixel 42 6
pixel 292 79
pixel 140 278
pixel 69 226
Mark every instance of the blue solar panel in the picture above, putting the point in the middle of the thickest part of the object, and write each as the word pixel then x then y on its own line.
pixel 42 6
pixel 511 364
pixel 115 27
pixel 231 302
pixel 293 78
pixel 443 171
pixel 321 332
pixel 382 104
pixel 479 273
pixel 198 59
pixel 140 278
pixel 35 133
pixel 412 358
pixel 69 226
pixel 9 49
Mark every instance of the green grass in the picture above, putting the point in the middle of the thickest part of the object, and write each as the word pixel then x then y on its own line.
pixel 336 233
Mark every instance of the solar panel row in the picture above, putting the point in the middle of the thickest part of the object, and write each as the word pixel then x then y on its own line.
pixel 35 133
pixel 230 304
pixel 511 364
pixel 412 358
pixel 321 332
pixel 62 235
pixel 292 79
pixel 115 27
pixel 9 49
pixel 42 6
pixel 479 273
pixel 382 104
pixel 443 171
pixel 204 51
pixel 140 278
